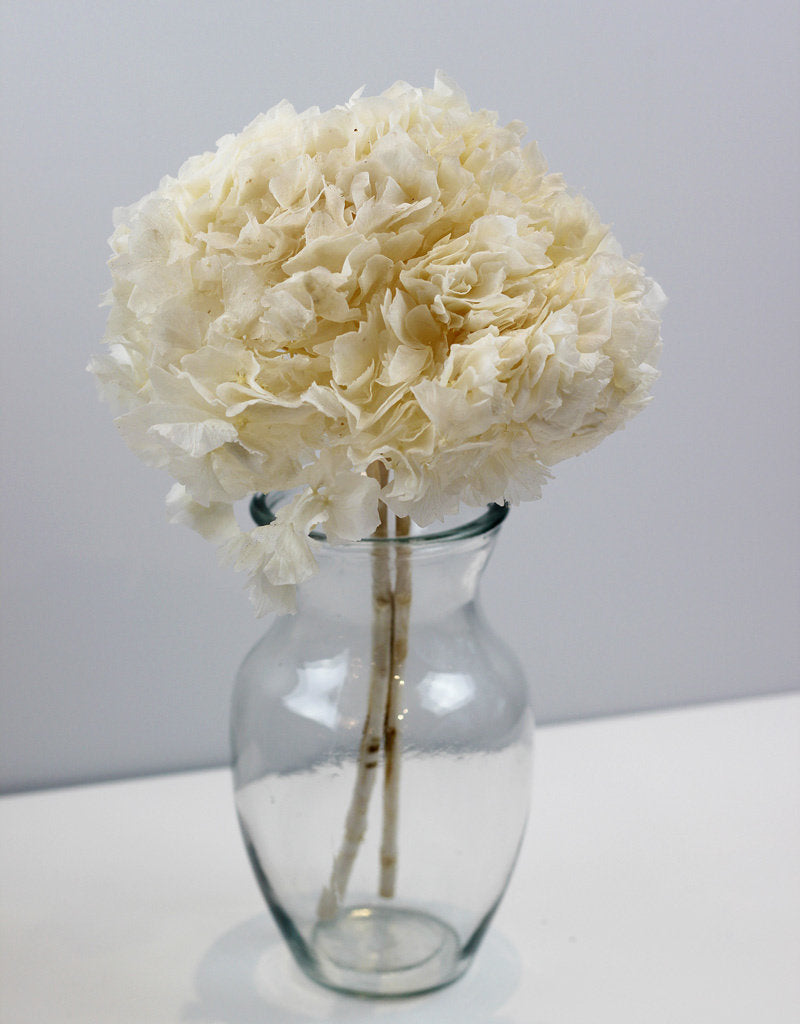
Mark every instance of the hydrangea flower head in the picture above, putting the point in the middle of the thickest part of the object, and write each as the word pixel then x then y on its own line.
pixel 398 279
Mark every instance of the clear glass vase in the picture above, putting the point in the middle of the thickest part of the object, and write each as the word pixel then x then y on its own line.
pixel 383 853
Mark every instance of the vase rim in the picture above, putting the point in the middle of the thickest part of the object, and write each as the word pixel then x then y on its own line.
pixel 263 506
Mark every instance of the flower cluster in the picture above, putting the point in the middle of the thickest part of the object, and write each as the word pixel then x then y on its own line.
pixel 397 279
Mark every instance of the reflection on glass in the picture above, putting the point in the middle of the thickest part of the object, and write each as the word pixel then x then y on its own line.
pixel 319 684
pixel 441 692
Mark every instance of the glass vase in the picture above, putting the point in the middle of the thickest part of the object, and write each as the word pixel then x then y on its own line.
pixel 382 741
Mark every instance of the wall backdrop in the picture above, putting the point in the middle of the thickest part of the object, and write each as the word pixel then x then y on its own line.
pixel 660 569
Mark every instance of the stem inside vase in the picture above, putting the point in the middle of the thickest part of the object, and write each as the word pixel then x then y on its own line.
pixel 393 722
pixel 391 609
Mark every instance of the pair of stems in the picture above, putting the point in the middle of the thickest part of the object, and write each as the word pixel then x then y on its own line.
pixel 391 609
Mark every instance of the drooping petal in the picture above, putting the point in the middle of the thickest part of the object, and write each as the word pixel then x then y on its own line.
pixel 215 521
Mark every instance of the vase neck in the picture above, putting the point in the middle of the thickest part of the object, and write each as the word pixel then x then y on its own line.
pixel 442 576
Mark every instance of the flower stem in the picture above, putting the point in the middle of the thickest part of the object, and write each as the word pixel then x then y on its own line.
pixel 369 750
pixel 393 722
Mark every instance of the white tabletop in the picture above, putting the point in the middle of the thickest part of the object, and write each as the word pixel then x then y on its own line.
pixel 659 884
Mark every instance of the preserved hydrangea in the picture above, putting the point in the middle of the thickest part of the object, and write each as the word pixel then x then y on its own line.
pixel 397 280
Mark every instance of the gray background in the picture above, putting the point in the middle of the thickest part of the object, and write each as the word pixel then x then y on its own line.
pixel 659 569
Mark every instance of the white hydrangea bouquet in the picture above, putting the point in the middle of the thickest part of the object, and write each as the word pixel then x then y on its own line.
pixel 390 307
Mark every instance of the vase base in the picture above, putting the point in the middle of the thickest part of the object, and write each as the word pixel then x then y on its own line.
pixel 385 951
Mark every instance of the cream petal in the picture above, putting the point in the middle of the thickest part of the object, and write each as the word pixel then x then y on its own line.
pixel 215 521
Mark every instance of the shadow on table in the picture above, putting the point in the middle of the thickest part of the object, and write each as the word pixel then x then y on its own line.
pixel 249 977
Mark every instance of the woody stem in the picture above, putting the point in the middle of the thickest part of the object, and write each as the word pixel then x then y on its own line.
pixel 369 749
pixel 393 722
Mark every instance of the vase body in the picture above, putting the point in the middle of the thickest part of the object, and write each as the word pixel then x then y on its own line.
pixel 461 765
